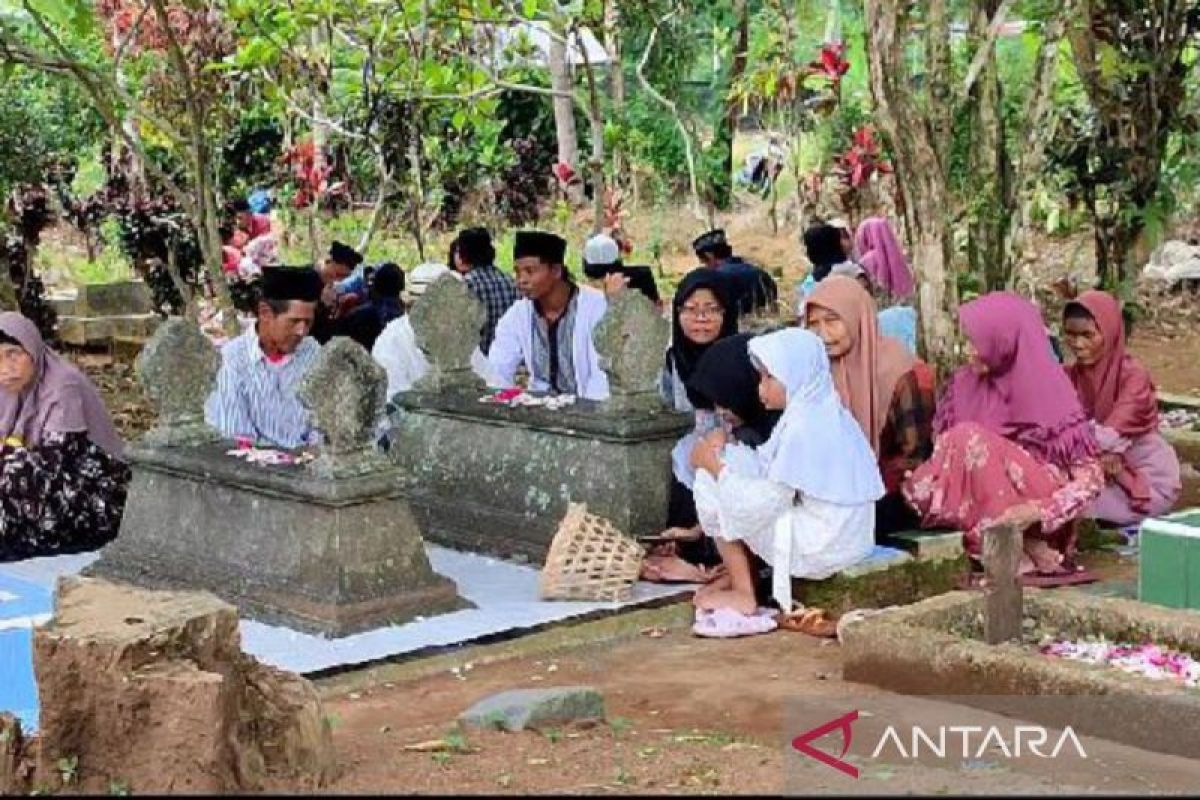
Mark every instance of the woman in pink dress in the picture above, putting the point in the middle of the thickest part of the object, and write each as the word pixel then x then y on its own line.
pixel 1140 467
pixel 1012 443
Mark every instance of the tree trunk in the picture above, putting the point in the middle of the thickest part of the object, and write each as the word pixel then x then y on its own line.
pixel 991 196
pixel 1040 123
pixel 616 73
pixel 920 142
pixel 723 194
pixel 564 113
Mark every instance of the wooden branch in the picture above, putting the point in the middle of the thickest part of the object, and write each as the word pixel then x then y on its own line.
pixel 985 50
pixel 673 109
pixel 132 34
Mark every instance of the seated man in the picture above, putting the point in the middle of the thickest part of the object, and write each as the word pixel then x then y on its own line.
pixel 473 256
pixel 550 328
pixel 261 370
pixel 602 257
pixel 366 322
pixel 753 288
pixel 250 224
pixel 337 267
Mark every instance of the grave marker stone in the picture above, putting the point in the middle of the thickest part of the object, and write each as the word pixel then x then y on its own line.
pixel 446 323
pixel 631 340
pixel 177 368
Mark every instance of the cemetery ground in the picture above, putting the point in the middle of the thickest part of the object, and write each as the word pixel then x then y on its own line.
pixel 685 715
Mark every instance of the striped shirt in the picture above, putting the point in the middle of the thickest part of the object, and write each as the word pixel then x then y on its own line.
pixel 256 398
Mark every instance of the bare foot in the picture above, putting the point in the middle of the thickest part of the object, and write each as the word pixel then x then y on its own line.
pixel 718 584
pixel 728 598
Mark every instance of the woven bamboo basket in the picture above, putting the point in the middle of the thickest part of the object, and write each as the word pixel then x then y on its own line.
pixel 590 559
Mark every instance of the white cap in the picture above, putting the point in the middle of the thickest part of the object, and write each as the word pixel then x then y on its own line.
pixel 601 249
pixel 423 275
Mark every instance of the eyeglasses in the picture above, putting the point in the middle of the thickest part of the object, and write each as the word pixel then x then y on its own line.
pixel 703 312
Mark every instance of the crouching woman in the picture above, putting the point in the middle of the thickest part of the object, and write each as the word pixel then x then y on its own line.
pixel 62 476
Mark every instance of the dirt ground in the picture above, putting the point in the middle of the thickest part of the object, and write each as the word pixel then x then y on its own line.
pixel 686 715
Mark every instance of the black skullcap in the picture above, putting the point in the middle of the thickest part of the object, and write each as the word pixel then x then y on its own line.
pixel 345 254
pixel 475 247
pixel 539 244
pixel 707 241
pixel 388 280
pixel 239 206
pixel 291 283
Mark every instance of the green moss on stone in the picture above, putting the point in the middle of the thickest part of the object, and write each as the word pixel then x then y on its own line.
pixel 899 584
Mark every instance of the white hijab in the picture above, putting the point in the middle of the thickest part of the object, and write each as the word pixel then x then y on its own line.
pixel 817 448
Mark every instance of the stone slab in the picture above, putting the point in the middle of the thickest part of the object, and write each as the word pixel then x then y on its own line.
pixel 519 709
pixel 935 647
pixel 87 331
pixel 887 577
pixel 1186 444
pixel 117 299
pixel 498 480
pixel 927 545
pixel 325 556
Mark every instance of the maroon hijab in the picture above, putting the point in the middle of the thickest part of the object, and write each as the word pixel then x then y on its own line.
pixel 59 400
pixel 1025 397
pixel 1116 391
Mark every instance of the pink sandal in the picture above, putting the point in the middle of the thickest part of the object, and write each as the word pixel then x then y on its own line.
pixel 725 623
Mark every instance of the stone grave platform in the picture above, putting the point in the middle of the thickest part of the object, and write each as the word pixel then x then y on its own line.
pixel 327 556
pixel 329 546
pixel 918 564
pixel 101 315
pixel 497 480
pixel 937 647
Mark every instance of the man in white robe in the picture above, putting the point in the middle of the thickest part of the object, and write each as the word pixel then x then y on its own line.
pixel 550 329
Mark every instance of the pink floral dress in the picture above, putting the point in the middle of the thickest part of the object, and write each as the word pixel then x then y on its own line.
pixel 975 475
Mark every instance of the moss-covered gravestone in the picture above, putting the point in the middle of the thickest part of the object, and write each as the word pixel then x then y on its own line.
pixel 498 480
pixel 328 546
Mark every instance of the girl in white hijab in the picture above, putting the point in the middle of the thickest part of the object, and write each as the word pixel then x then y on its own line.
pixel 805 500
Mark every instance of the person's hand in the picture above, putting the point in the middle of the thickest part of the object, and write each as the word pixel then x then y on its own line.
pixel 329 296
pixel 1113 464
pixel 716 438
pixel 706 457
pixel 615 283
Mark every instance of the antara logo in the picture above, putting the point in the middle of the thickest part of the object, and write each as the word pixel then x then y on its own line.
pixel 1021 740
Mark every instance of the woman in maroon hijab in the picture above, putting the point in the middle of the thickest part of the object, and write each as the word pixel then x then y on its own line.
pixel 1140 468
pixel 62 475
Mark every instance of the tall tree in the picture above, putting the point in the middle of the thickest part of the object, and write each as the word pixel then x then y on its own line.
pixel 1133 59
pixel 918 129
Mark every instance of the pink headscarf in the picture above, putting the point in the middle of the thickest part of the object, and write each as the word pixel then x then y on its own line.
pixel 59 400
pixel 881 256
pixel 1117 391
pixel 1025 396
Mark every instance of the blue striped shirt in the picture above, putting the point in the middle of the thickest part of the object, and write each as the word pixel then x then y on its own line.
pixel 256 398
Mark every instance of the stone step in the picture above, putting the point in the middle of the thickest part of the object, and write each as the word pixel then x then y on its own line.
pixel 86 331
pixel 887 577
pixel 927 545
pixel 64 303
pixel 114 299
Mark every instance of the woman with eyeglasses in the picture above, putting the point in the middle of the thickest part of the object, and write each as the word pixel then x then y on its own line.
pixel 701 315
pixel 62 474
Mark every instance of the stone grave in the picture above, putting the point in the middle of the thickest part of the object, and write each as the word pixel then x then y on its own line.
pixel 981 649
pixel 497 480
pixel 106 314
pixel 328 547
